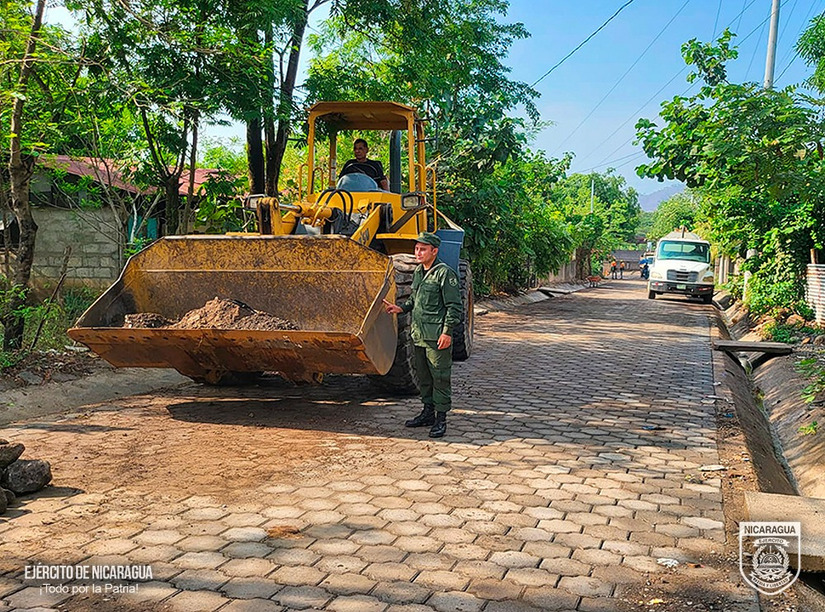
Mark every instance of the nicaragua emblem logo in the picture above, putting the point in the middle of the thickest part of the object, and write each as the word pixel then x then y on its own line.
pixel 768 554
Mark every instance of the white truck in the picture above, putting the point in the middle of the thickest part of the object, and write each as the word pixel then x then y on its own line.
pixel 682 265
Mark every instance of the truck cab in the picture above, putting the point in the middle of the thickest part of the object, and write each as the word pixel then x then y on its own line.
pixel 682 265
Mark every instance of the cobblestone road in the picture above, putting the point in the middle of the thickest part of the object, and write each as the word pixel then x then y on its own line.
pixel 550 492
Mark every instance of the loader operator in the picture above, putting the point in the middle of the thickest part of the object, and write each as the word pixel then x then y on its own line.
pixel 361 165
pixel 435 303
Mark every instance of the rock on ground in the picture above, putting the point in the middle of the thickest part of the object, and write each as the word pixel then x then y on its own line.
pixel 26 476
pixel 10 496
pixel 9 452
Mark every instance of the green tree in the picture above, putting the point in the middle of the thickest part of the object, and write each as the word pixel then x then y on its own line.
pixel 757 156
pixel 675 212
pixel 602 214
pixel 22 126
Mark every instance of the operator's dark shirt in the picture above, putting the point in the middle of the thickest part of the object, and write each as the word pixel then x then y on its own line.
pixel 370 167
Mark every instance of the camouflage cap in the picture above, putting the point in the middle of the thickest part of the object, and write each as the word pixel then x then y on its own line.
pixel 429 238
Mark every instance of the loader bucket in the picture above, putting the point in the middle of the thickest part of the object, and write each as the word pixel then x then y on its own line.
pixel 331 287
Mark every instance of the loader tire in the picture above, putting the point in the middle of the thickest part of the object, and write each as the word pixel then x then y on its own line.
pixel 463 332
pixel 401 378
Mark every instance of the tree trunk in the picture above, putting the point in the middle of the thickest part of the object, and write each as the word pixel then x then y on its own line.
pixel 269 122
pixel 287 94
pixel 172 187
pixel 255 156
pixel 183 224
pixel 20 172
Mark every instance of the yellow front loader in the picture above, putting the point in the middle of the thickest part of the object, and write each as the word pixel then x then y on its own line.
pixel 324 262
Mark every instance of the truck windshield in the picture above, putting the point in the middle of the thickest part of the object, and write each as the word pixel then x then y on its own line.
pixel 693 251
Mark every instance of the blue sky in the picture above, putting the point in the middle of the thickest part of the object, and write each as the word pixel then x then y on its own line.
pixel 643 41
pixel 572 91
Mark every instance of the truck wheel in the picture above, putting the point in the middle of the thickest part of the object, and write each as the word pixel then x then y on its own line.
pixel 707 299
pixel 401 378
pixel 463 332
pixel 651 295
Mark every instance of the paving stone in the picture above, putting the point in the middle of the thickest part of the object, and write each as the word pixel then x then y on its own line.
pixel 195 601
pixel 565 567
pixel 240 550
pixel 298 576
pixel 586 587
pixel 35 597
pixel 148 593
pixel 334 547
pixel 293 556
pixel 455 601
pixel 593 556
pixel 390 572
pixel 244 534
pixel 490 589
pixel 356 603
pixel 248 567
pixel 341 565
pixel 417 544
pixel 302 597
pixel 252 605
pixel 551 599
pixel 347 584
pixel 512 559
pixel 510 606
pixel 442 580
pixel 401 592
pixel 599 604
pixel 199 580
pixel 200 560
pixel 479 569
pixel 531 576
pixel 250 588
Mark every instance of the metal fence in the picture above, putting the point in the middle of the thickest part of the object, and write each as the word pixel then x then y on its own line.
pixel 816 290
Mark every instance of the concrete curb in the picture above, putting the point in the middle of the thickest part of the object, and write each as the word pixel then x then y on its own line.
pixel 785 411
pixel 532 296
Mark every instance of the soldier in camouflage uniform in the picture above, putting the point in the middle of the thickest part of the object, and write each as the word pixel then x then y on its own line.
pixel 435 303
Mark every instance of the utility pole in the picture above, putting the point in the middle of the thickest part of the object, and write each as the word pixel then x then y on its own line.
pixel 770 60
pixel 770 63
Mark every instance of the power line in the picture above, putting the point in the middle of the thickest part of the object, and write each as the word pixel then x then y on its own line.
pixel 621 78
pixel 613 161
pixel 798 34
pixel 584 42
pixel 716 21
pixel 661 89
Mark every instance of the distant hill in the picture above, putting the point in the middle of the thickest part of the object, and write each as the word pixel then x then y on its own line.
pixel 650 201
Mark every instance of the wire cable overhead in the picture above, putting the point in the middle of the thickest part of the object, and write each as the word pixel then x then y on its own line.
pixel 584 42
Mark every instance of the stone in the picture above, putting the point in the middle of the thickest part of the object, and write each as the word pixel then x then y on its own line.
pixel 3 504
pixel 30 378
pixel 10 496
pixel 27 476
pixel 10 452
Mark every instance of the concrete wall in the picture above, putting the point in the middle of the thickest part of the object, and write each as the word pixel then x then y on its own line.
pixel 96 258
pixel 565 274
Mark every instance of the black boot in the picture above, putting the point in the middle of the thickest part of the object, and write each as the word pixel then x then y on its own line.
pixel 439 428
pixel 425 419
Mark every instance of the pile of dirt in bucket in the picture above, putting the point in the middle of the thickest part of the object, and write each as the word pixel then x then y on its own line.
pixel 218 313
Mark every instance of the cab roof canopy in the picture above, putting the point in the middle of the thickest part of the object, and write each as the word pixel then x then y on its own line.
pixel 363 115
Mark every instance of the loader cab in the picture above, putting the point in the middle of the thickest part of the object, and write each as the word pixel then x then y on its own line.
pixel 333 120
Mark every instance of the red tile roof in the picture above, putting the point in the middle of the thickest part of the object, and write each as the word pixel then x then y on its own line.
pixel 106 172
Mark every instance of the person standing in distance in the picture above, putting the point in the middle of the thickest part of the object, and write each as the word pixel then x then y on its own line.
pixel 371 167
pixel 435 303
